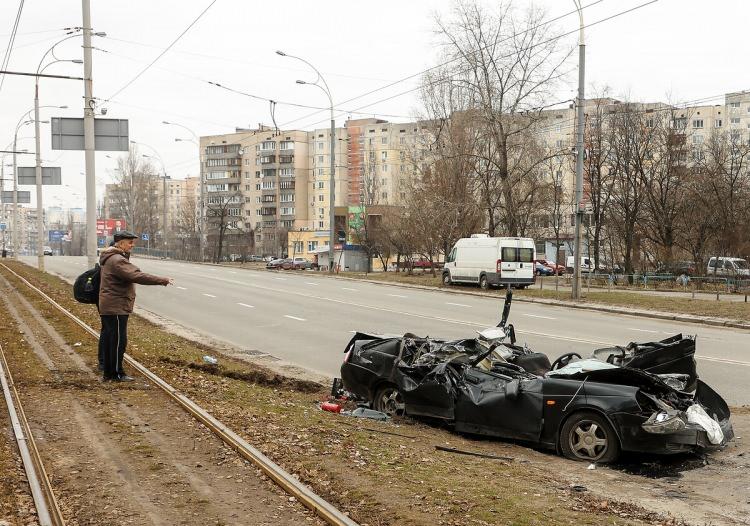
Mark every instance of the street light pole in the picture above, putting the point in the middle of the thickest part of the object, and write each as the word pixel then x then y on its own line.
pixel 579 158
pixel 332 180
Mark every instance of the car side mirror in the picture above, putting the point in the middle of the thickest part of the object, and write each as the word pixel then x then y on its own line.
pixel 512 389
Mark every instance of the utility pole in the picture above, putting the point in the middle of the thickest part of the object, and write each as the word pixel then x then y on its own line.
pixel 332 192
pixel 579 159
pixel 38 170
pixel 88 136
pixel 16 226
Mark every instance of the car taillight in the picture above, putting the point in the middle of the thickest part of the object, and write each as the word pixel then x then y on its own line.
pixel 499 267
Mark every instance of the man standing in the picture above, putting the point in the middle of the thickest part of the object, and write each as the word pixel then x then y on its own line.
pixel 116 300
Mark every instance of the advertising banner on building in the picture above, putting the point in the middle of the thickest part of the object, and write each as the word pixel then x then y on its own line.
pixel 56 235
pixel 355 219
pixel 107 227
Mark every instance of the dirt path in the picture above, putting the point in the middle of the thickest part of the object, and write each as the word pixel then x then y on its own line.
pixel 122 453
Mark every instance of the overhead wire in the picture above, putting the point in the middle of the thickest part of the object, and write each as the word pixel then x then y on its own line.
pixel 562 35
pixel 11 41
pixel 138 75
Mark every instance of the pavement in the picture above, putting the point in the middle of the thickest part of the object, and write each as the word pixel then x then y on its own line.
pixel 307 318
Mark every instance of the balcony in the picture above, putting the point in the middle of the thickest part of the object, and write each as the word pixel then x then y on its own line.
pixel 286 159
pixel 267 159
pixel 268 211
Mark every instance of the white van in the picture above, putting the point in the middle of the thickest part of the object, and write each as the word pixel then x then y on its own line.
pixel 491 261
pixel 728 267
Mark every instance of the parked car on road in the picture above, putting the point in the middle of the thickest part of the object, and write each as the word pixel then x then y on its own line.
pixel 554 267
pixel 543 270
pixel 276 263
pixel 48 251
pixel 728 267
pixel 254 258
pixel 298 263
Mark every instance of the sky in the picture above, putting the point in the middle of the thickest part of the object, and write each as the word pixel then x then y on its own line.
pixel 668 50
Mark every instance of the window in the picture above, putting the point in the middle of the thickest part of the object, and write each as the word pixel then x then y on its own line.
pixel 320 224
pixel 287 210
pixel 321 197
pixel 257 200
pixel 216 188
pixel 697 139
pixel 517 255
pixel 269 185
pixel 268 145
pixel 717 123
pixel 286 172
pixel 248 187
pixel 320 158
pixel 247 162
pixel 383 156
pixel 312 245
pixel 320 171
pixel 384 140
pixel 247 175
pixel 321 211
pixel 697 123
pixel 287 198
pixel 384 195
pixel 257 186
pixel 735 120
pixel 287 145
pixel 385 167
pixel 321 185
pixel 650 122
pixel 402 140
pixel 734 104
pixel 235 211
pixel 558 143
pixel 321 145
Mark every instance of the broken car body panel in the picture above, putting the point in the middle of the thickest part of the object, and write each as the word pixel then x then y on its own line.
pixel 631 395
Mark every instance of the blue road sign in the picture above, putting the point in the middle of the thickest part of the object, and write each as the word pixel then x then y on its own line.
pixel 2 226
pixel 56 235
pixel 144 237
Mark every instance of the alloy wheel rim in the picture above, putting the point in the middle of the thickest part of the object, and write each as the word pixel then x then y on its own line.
pixel 588 440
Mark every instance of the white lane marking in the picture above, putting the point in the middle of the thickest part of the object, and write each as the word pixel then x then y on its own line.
pixel 423 316
pixel 181 288
pixel 209 295
pixel 457 304
pixel 212 269
pixel 351 290
pixel 539 316
pixel 246 305
pixel 396 296
pixel 280 279
pixel 232 272
pixel 353 332
pixel 294 317
pixel 641 330
pixel 723 360
pixel 311 283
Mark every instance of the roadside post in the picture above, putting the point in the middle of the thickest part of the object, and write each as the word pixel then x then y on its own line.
pixel 147 239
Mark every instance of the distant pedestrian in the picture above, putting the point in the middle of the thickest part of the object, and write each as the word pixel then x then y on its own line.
pixel 116 301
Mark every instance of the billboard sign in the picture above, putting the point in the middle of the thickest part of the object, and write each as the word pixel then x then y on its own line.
pixel 56 235
pixel 109 134
pixel 24 197
pixel 356 221
pixel 50 175
pixel 105 227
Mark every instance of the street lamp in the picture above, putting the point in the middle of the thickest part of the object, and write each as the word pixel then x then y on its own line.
pixel 332 183
pixel 579 157
pixel 38 170
pixel 201 218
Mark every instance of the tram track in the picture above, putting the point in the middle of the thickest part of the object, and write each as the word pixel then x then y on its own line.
pixel 288 483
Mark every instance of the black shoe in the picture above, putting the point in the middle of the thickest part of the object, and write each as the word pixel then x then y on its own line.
pixel 125 378
pixel 109 378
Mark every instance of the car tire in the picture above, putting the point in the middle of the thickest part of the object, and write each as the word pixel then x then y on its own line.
pixel 484 283
pixel 389 400
pixel 447 279
pixel 588 437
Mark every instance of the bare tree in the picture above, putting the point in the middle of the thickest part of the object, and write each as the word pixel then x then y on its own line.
pixel 503 67
pixel 135 194
pixel 222 217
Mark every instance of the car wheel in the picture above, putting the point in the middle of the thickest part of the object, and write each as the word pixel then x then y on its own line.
pixel 588 437
pixel 447 279
pixel 483 282
pixel 388 400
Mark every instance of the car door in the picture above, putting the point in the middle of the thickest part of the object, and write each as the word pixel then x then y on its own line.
pixel 490 404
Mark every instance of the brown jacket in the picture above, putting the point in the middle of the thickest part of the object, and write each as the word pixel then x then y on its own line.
pixel 118 279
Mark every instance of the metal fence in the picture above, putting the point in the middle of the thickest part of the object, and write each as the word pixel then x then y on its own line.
pixel 651 282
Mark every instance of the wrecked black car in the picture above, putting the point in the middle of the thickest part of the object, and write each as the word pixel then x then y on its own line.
pixel 643 397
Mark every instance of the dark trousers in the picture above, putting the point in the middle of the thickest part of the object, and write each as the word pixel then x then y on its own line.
pixel 112 343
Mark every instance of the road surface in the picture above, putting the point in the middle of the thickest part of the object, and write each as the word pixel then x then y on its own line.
pixel 306 318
